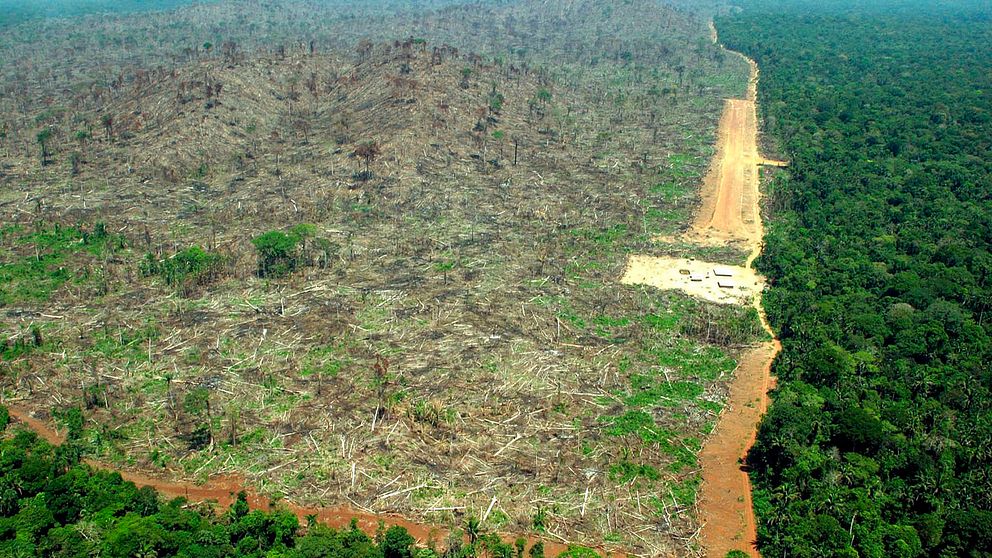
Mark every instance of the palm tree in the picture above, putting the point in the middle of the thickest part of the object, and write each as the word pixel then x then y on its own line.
pixel 43 137
pixel 472 529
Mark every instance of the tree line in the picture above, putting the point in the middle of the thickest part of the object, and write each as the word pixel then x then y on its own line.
pixel 879 438
pixel 54 505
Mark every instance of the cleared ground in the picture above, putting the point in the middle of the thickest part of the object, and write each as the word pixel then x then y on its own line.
pixel 696 278
pixel 729 215
pixel 450 342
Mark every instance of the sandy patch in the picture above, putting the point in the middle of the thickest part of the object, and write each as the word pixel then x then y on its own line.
pixel 696 278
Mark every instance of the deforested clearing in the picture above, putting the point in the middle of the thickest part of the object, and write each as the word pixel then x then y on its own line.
pixel 375 261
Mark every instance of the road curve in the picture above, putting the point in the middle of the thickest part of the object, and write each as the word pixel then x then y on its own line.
pixel 731 213
pixel 222 491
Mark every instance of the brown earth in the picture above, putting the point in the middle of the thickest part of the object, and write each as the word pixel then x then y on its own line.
pixel 222 490
pixel 730 209
pixel 729 215
pixel 731 212
pixel 667 273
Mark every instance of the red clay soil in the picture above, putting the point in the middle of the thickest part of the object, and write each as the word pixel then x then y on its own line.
pixel 726 510
pixel 222 492
pixel 731 213
pixel 730 187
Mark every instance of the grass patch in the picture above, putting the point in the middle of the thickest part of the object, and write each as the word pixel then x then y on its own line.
pixel 647 392
pixel 28 341
pixel 626 471
pixel 669 192
pixel 690 360
pixel 684 492
pixel 42 268
pixel 727 255
pixel 124 344
pixel 683 165
pixel 604 237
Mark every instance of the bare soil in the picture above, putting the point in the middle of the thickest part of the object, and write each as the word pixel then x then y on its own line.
pixel 730 211
pixel 729 215
pixel 668 273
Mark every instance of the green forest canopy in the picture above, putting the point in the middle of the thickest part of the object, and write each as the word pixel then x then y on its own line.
pixel 879 439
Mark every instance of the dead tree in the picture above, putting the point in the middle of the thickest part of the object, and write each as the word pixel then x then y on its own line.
pixel 368 152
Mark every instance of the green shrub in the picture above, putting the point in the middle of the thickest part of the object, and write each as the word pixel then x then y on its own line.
pixel 397 543
pixel 185 269
pixel 276 253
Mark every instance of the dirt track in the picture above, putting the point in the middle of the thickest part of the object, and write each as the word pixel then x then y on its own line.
pixel 222 491
pixel 730 211
pixel 730 214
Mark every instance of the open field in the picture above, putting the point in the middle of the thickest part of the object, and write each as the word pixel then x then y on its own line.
pixel 695 278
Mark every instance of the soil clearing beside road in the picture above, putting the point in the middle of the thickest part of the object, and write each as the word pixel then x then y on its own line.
pixel 694 277
pixel 730 214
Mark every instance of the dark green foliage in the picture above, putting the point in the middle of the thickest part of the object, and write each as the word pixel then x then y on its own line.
pixel 276 253
pixel 281 253
pixel 495 547
pixel 43 138
pixel 199 438
pixel 4 418
pixel 185 269
pixel 397 543
pixel 879 440
pixel 496 101
pixel 72 420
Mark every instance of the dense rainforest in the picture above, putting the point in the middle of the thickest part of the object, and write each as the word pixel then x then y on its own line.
pixel 54 505
pixel 17 11
pixel 879 438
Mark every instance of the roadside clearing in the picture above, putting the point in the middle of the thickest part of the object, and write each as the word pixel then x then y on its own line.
pixel 730 214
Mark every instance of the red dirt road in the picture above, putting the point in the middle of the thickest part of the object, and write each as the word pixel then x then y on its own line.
pixel 730 188
pixel 731 213
pixel 222 491
pixel 730 210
